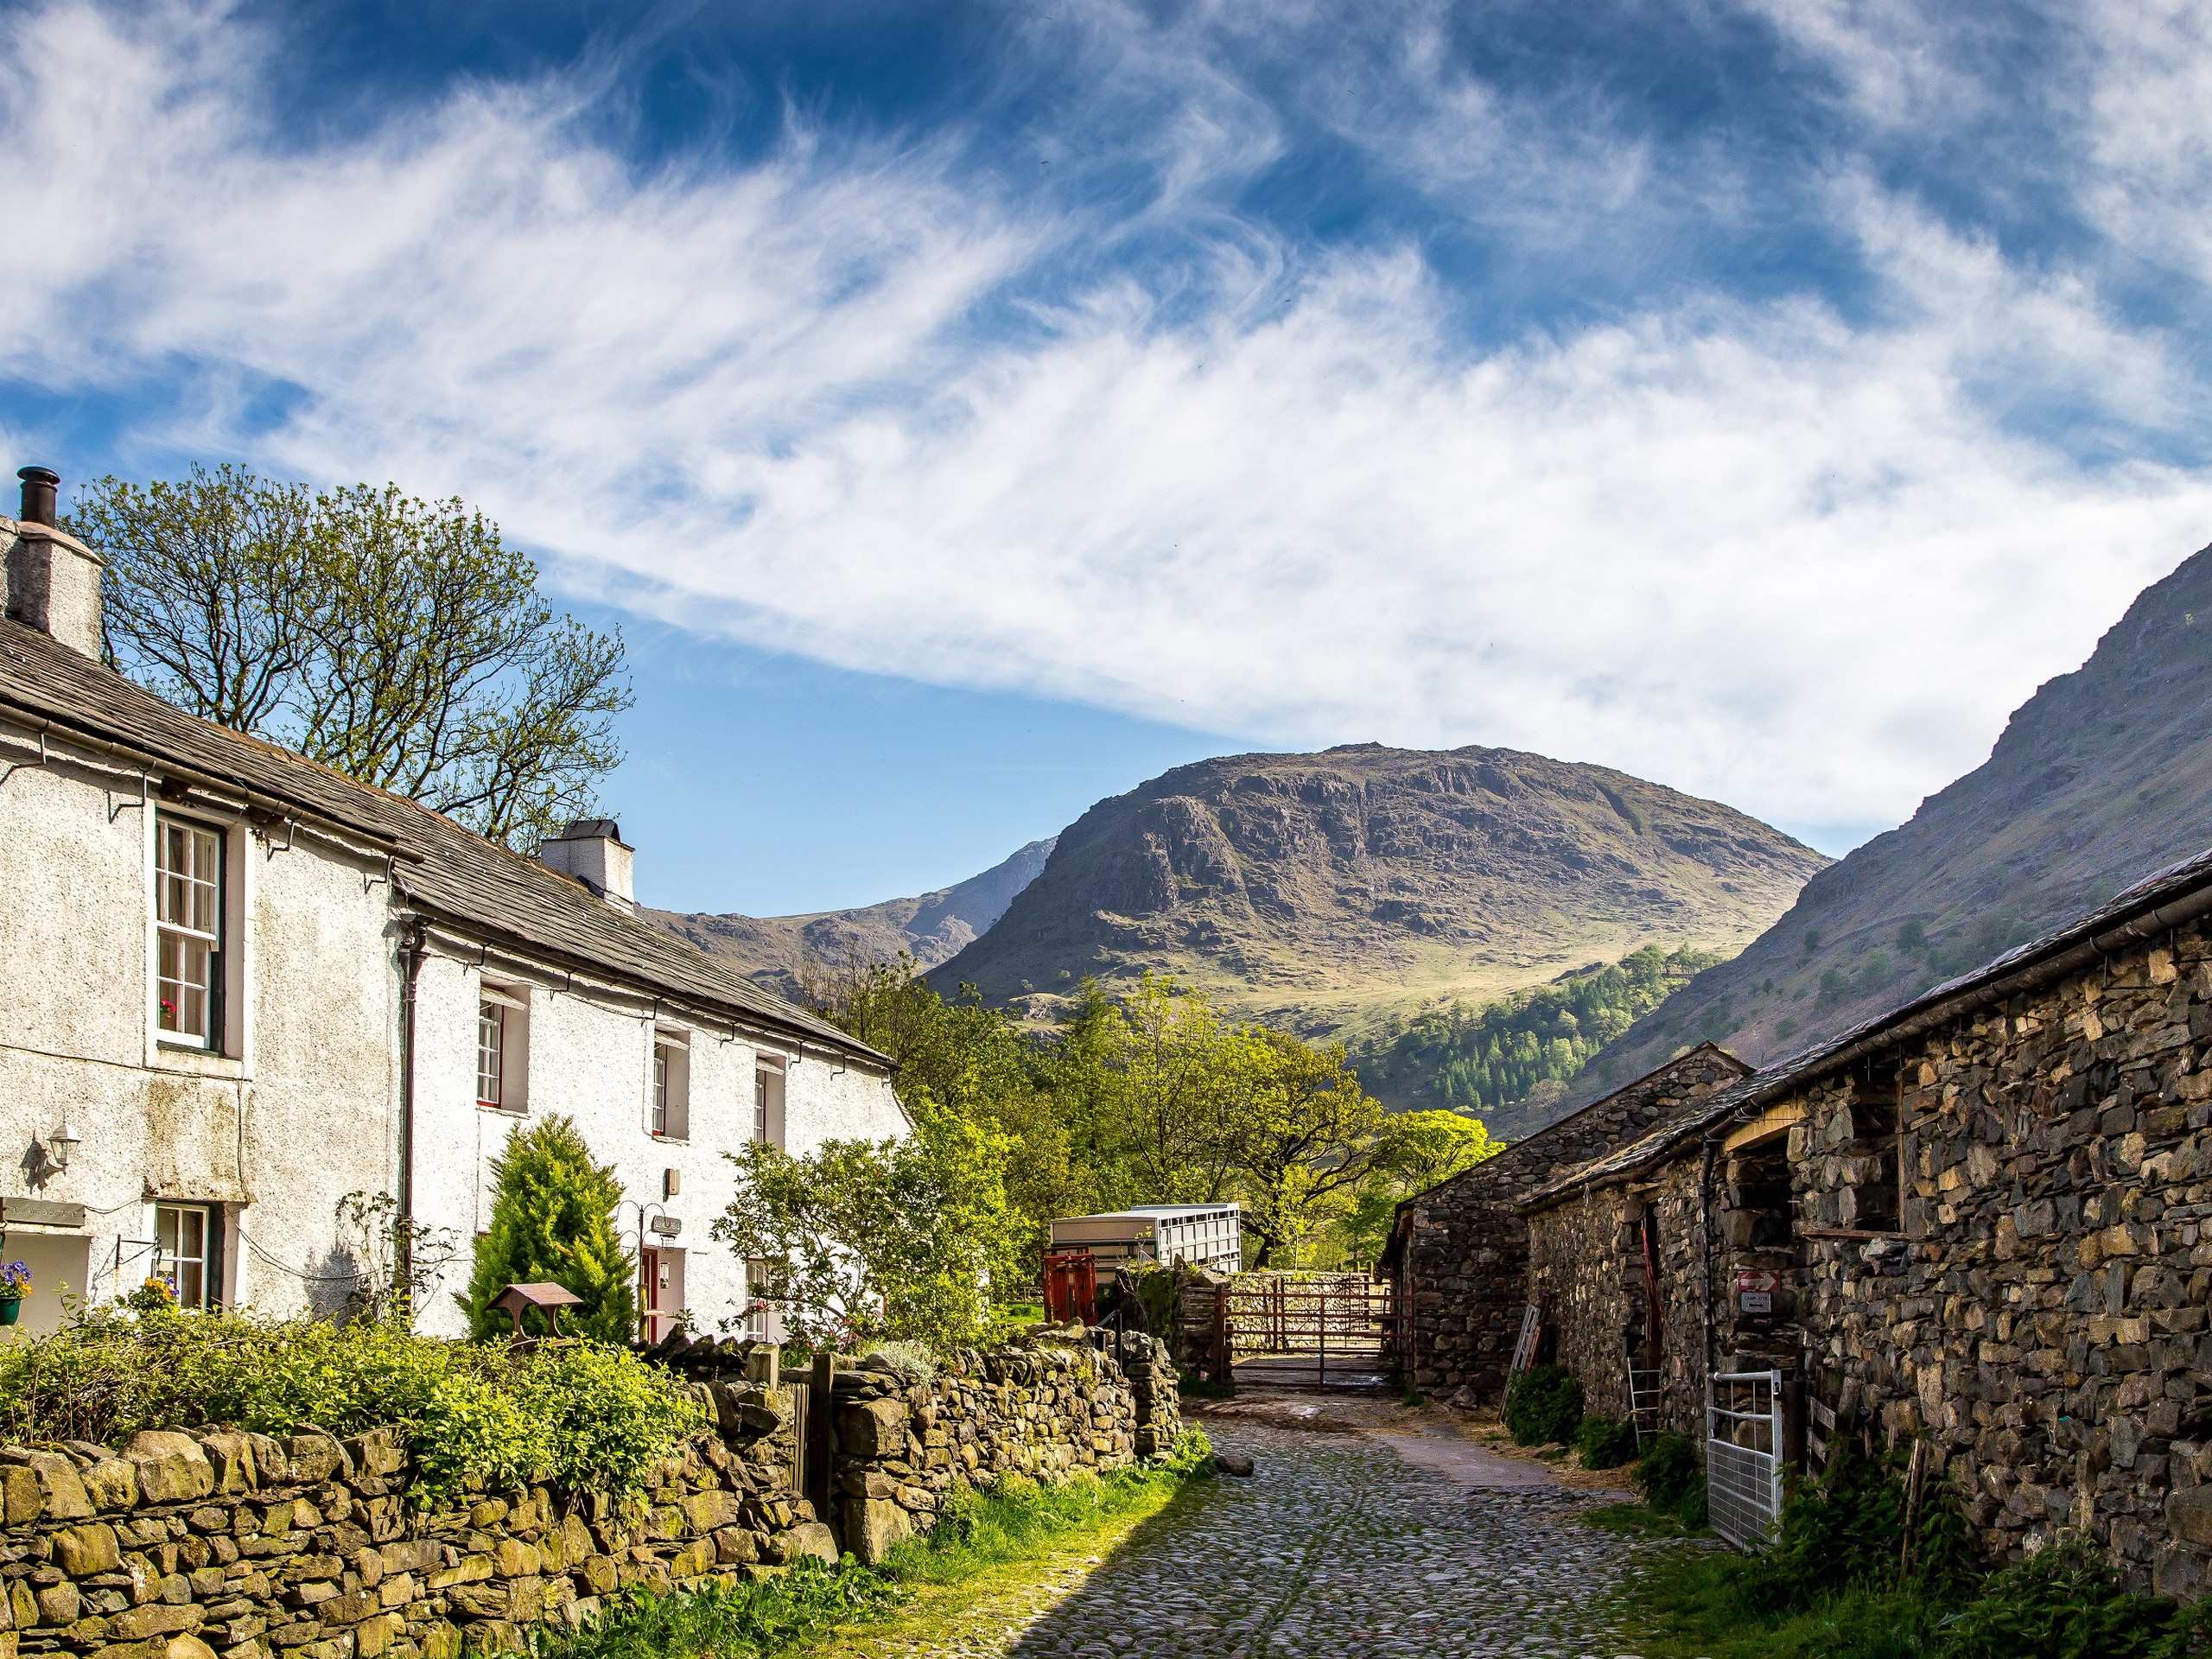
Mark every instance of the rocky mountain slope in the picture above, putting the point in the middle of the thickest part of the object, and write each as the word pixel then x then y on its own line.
pixel 2102 777
pixel 931 928
pixel 1333 893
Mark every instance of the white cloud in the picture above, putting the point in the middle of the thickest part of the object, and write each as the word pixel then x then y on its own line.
pixel 1755 551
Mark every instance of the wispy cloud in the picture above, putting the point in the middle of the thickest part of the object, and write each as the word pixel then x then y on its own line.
pixel 882 405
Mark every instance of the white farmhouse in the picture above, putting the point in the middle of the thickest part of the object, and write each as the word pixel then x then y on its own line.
pixel 242 986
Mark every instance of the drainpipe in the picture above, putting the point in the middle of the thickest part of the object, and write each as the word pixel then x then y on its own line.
pixel 410 952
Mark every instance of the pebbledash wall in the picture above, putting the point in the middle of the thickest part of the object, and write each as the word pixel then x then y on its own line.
pixel 359 935
pixel 185 1545
pixel 1459 1251
pixel 1987 1220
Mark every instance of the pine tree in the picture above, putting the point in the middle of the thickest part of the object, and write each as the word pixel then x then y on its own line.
pixel 553 1219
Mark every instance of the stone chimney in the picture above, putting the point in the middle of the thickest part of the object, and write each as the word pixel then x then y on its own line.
pixel 53 579
pixel 591 851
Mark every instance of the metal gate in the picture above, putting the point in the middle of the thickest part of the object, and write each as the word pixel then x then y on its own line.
pixel 1308 1331
pixel 1743 1456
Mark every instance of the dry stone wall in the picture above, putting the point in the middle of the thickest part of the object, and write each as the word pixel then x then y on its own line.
pixel 1464 1244
pixel 903 1447
pixel 185 1545
pixel 189 1545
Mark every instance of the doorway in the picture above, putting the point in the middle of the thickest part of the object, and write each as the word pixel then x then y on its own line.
pixel 660 1293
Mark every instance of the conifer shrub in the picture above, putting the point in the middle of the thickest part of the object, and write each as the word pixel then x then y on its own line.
pixel 553 1219
pixel 1604 1444
pixel 1543 1406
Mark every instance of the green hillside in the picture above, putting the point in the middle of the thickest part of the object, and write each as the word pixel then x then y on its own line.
pixel 1495 1060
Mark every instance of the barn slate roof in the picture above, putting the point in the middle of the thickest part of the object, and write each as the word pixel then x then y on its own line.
pixel 2153 907
pixel 444 871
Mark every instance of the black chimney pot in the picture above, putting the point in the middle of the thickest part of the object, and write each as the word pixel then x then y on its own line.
pixel 40 483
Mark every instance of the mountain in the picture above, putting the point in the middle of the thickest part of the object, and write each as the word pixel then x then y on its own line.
pixel 1338 893
pixel 931 928
pixel 2102 777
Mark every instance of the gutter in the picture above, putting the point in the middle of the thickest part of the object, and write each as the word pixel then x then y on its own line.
pixel 144 762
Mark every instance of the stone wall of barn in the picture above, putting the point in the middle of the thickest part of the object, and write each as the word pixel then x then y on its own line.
pixel 1586 1251
pixel 2041 1312
pixel 1465 1246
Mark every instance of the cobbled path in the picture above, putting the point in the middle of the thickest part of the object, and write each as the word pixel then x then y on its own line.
pixel 1338 1548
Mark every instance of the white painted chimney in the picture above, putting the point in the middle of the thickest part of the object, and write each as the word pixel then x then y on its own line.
pixel 591 851
pixel 53 579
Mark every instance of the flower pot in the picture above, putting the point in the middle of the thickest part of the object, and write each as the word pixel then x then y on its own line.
pixel 10 1307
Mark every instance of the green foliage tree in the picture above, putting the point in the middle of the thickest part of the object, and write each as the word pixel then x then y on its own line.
pixel 1308 1134
pixel 1150 1097
pixel 1418 1150
pixel 1182 1083
pixel 553 1218
pixel 861 1240
pixel 398 641
pixel 1045 1102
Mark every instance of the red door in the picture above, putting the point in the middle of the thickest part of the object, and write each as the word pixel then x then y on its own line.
pixel 1071 1288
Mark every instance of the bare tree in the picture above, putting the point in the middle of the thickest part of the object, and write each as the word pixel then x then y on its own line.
pixel 398 641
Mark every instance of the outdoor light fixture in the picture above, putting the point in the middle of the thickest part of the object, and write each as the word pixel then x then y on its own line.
pixel 60 1144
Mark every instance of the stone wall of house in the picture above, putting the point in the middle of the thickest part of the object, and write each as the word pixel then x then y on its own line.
pixel 2041 1313
pixel 902 1446
pixel 1465 1264
pixel 1586 1251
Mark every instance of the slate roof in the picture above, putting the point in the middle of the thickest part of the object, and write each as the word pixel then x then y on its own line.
pixel 2140 915
pixel 444 871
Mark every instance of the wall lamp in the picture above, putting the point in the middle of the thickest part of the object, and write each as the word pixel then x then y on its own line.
pixel 60 1144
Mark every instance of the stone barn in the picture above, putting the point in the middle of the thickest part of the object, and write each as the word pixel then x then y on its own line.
pixel 1458 1253
pixel 1980 1218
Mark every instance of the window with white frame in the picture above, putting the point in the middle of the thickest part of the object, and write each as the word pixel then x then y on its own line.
pixel 671 1104
pixel 188 1252
pixel 758 1316
pixel 768 1100
pixel 502 1047
pixel 188 916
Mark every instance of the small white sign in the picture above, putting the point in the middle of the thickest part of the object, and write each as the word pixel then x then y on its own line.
pixel 1757 1301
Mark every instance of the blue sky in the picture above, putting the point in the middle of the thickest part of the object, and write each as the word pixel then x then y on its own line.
pixel 971 409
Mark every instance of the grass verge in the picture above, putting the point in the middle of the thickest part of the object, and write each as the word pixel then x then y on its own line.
pixel 1691 1603
pixel 2065 1602
pixel 1639 1520
pixel 988 1543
